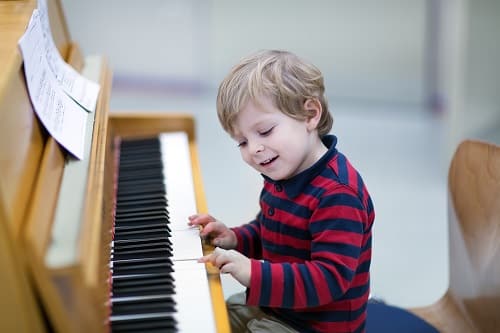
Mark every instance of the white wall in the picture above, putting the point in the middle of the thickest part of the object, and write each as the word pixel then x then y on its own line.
pixel 469 68
pixel 368 50
pixel 157 38
pixel 482 69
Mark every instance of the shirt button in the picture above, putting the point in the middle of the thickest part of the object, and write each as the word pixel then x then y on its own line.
pixel 278 188
pixel 270 211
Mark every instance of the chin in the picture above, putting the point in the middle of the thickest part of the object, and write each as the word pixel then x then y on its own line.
pixel 275 177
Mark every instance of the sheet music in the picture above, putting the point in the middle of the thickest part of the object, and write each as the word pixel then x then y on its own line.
pixel 62 117
pixel 81 89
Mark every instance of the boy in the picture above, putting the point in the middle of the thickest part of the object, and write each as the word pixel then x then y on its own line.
pixel 305 258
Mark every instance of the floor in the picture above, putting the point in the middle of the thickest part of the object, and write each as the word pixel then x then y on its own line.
pixel 397 149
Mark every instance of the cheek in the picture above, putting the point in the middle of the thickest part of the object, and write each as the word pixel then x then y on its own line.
pixel 246 156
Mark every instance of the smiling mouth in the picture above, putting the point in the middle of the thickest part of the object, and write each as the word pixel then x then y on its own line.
pixel 269 161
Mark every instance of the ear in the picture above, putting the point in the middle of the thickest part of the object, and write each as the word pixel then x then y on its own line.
pixel 314 110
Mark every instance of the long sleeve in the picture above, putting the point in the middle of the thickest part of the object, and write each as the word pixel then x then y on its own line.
pixel 249 240
pixel 312 266
pixel 337 233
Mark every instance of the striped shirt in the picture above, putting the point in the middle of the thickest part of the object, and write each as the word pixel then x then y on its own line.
pixel 310 246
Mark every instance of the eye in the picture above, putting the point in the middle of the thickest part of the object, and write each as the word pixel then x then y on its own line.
pixel 241 144
pixel 265 133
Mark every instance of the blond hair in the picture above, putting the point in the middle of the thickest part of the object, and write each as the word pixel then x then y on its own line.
pixel 280 75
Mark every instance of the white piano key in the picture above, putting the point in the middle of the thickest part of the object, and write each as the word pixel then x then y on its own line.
pixel 186 245
pixel 195 312
pixel 192 292
pixel 180 195
pixel 178 178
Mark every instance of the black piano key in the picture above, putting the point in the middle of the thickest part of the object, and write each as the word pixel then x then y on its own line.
pixel 133 223
pixel 140 186
pixel 141 282
pixel 141 232
pixel 144 285
pixel 138 209
pixel 154 322
pixel 132 146
pixel 127 242
pixel 142 245
pixel 142 304
pixel 130 221
pixel 142 203
pixel 139 141
pixel 139 149
pixel 146 265
pixel 146 152
pixel 140 196
pixel 139 279
pixel 147 155
pixel 131 227
pixel 139 163
pixel 145 290
pixel 138 183
pixel 140 166
pixel 138 174
pixel 157 252
pixel 140 199
pixel 155 188
pixel 158 215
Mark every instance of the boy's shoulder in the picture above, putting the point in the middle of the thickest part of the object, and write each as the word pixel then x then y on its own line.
pixel 342 173
pixel 338 167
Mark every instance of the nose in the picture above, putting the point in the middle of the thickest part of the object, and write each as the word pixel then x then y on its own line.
pixel 256 147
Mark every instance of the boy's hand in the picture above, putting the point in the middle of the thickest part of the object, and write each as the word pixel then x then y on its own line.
pixel 214 230
pixel 232 262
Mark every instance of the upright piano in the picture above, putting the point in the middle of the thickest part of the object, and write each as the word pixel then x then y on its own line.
pixel 80 249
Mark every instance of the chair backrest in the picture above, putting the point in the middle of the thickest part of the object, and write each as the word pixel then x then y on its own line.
pixel 474 223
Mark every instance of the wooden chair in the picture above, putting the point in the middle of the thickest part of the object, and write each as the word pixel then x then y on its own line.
pixel 472 302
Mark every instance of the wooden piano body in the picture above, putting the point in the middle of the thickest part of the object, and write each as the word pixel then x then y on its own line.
pixel 38 294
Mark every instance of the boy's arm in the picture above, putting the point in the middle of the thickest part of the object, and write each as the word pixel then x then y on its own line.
pixel 248 236
pixel 340 256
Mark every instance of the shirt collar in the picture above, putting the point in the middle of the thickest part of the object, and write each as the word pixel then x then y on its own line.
pixel 295 185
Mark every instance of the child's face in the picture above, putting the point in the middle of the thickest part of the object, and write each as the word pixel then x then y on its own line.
pixel 275 144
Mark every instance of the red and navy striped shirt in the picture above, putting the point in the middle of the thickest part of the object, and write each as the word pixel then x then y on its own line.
pixel 310 246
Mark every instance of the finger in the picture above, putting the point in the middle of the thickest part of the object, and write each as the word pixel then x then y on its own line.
pixel 201 219
pixel 212 257
pixel 218 251
pixel 221 258
pixel 206 230
pixel 194 219
pixel 227 268
pixel 210 228
pixel 208 258
pixel 218 241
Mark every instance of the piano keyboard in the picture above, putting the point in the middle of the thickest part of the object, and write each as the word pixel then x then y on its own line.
pixel 157 285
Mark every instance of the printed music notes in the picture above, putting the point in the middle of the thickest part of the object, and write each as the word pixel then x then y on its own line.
pixel 61 97
pixel 78 87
